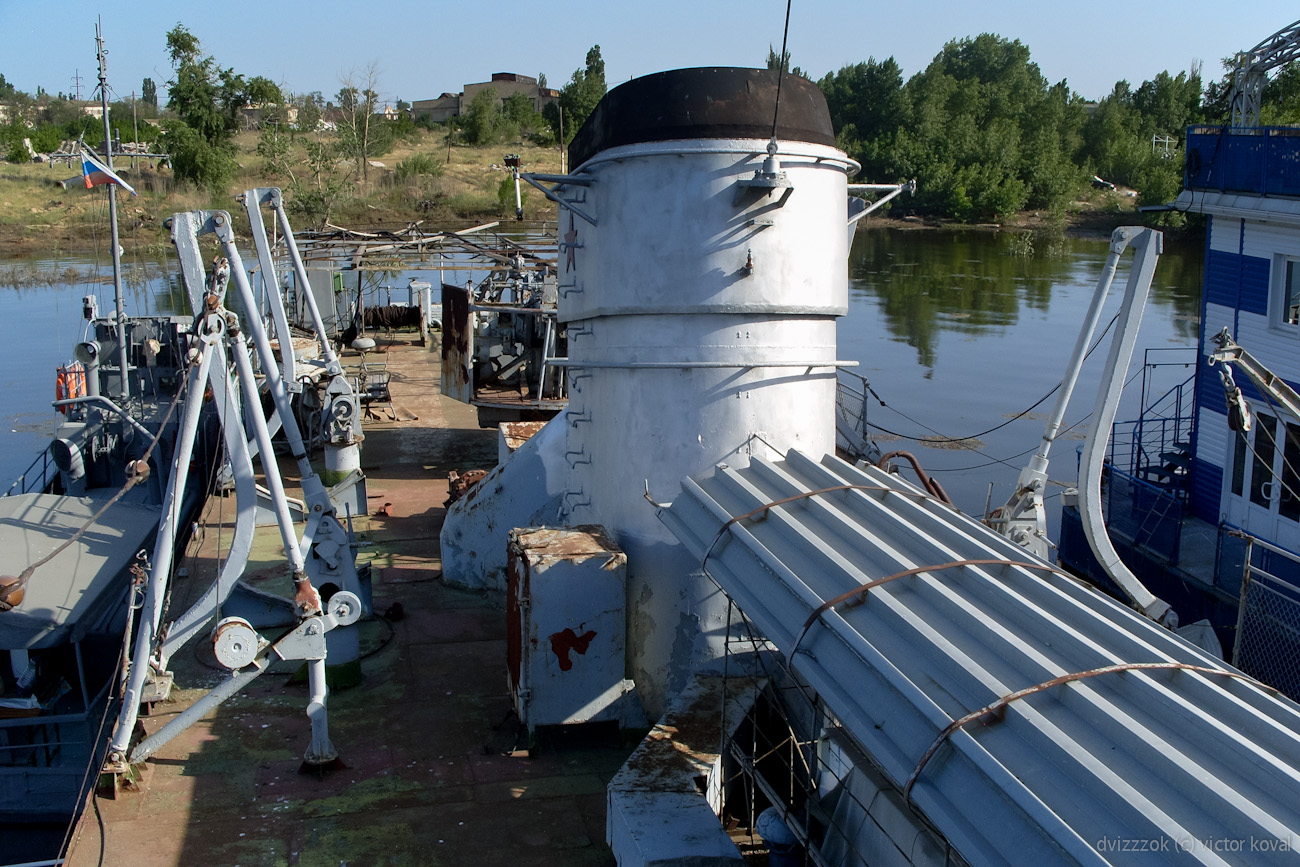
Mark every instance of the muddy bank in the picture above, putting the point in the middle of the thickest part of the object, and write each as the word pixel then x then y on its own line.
pixel 140 230
pixel 136 231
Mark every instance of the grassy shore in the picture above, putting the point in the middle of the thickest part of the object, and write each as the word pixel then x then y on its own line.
pixel 45 208
pixel 41 210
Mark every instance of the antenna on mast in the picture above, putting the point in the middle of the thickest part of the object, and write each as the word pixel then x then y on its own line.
pixel 122 337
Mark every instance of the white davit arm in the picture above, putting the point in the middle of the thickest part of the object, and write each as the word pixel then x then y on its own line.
pixel 1023 519
pixel 1146 245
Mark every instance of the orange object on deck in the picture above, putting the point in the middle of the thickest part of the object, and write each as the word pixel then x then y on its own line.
pixel 69 383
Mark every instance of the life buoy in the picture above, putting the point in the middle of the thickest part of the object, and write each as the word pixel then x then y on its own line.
pixel 69 383
pixel 77 380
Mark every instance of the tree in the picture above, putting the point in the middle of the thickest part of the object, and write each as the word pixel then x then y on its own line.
pixel 273 146
pixel 182 46
pixel 196 159
pixel 482 121
pixel 519 118
pixel 309 110
pixel 316 196
pixel 204 96
pixel 207 100
pixel 774 63
pixel 579 97
pixel 262 91
pixel 979 127
pixel 1117 140
pixel 7 90
pixel 361 136
pixel 867 107
pixel 1168 104
pixel 149 92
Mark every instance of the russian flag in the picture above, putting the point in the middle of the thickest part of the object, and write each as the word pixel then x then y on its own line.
pixel 96 173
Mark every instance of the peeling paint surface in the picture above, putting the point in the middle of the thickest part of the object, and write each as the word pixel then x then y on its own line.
pixel 567 619
pixel 566 642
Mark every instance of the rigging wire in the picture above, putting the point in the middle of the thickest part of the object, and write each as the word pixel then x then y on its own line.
pixel 8 591
pixel 780 67
pixel 110 703
pixel 966 445
pixel 1014 418
pixel 1288 438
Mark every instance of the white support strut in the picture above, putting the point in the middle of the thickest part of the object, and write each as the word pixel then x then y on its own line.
pixel 1147 245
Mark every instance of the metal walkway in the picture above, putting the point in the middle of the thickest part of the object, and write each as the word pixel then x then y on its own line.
pixel 1030 719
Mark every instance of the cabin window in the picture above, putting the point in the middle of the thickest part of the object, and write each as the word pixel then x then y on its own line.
pixel 1261 465
pixel 1239 463
pixel 1289 502
pixel 1288 309
pixel 1266 466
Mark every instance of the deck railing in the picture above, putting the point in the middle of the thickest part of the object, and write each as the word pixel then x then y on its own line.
pixel 851 438
pixel 1156 446
pixel 1147 515
pixel 37 477
pixel 1258 160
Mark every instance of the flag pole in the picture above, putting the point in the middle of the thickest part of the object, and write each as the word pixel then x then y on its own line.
pixel 119 302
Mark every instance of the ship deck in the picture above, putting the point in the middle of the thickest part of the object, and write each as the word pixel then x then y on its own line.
pixel 432 772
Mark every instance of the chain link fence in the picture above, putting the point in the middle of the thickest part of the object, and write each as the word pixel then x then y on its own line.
pixel 1268 620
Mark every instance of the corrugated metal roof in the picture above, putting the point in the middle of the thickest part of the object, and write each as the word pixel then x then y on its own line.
pixel 1169 764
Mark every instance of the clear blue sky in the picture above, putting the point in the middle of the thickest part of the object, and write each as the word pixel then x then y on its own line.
pixel 423 49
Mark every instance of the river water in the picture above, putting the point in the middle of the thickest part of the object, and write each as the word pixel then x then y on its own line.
pixel 956 332
pixel 959 331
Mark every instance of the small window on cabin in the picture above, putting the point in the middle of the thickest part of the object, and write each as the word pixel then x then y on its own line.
pixel 1239 463
pixel 1290 311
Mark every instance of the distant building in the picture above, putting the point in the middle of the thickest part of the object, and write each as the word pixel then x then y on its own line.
pixel 253 114
pixel 438 110
pixel 506 84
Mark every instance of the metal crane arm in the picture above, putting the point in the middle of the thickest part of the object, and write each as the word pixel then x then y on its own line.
pixel 1252 66
pixel 1265 380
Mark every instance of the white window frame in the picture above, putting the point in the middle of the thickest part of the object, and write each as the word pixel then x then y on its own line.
pixel 1282 314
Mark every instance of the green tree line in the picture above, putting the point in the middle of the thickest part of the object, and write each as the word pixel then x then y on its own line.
pixel 985 134
pixel 980 128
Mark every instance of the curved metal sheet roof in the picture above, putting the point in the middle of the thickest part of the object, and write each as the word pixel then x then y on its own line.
pixel 1184 762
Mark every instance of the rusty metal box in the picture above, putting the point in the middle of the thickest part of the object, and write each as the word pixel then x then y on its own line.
pixel 566 629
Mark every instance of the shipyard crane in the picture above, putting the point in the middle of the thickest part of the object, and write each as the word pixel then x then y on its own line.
pixel 1251 72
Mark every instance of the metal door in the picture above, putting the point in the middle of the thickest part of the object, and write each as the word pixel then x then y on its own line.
pixel 457 344
pixel 1263 481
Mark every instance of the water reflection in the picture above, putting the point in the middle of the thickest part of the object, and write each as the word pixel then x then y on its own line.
pixel 974 283
pixel 959 333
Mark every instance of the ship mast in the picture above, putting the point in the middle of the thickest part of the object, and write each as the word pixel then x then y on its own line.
pixel 119 304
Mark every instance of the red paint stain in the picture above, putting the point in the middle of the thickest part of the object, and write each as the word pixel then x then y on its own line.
pixel 563 642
